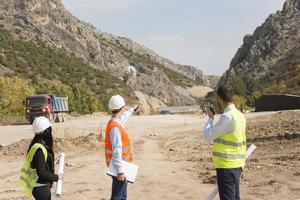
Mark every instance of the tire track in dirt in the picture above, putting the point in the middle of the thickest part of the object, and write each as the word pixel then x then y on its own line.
pixel 159 178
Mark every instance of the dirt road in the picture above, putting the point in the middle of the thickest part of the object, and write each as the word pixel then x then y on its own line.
pixel 163 148
pixel 85 174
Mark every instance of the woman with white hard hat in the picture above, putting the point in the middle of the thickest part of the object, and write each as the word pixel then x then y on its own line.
pixel 37 175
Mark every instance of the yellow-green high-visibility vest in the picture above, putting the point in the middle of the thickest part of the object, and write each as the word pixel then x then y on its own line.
pixel 28 176
pixel 229 150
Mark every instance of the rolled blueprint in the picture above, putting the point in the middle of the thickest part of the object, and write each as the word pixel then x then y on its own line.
pixel 61 164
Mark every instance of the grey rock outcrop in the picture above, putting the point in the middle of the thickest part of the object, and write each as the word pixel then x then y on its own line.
pixel 48 20
pixel 273 48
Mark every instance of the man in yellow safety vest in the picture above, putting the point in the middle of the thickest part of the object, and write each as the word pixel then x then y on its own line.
pixel 229 144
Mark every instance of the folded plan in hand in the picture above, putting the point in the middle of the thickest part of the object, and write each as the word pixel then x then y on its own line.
pixel 130 171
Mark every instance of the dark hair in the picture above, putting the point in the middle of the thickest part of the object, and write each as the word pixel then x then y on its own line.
pixel 44 138
pixel 117 111
pixel 225 92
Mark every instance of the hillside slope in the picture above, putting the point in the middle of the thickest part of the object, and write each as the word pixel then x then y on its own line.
pixel 48 21
pixel 271 55
pixel 50 69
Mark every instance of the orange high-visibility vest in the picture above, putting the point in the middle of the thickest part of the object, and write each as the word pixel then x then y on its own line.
pixel 126 149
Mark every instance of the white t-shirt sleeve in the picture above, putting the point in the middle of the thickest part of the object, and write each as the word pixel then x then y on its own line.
pixel 126 115
pixel 116 142
pixel 223 126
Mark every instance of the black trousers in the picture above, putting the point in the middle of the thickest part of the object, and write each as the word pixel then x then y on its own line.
pixel 42 193
pixel 229 183
pixel 119 189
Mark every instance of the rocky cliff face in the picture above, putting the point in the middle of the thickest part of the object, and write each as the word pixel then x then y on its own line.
pixel 271 54
pixel 49 21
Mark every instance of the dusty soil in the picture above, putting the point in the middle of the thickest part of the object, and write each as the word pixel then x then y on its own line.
pixel 90 142
pixel 272 171
pixel 174 160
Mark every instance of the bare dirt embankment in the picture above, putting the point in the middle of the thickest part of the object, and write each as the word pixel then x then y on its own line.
pixel 272 171
pixel 90 142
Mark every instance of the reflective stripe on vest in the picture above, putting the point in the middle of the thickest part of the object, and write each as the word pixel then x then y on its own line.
pixel 108 151
pixel 126 149
pixel 28 176
pixel 28 185
pixel 231 156
pixel 30 173
pixel 229 149
pixel 230 143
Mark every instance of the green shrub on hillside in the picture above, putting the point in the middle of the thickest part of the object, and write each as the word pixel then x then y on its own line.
pixel 84 100
pixel 13 92
pixel 41 64
pixel 288 82
pixel 247 88
pixel 252 98
pixel 81 99
pixel 240 102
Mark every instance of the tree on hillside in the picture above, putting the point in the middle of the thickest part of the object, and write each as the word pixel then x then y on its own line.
pixel 81 99
pixel 239 86
pixel 13 92
pixel 85 101
pixel 240 103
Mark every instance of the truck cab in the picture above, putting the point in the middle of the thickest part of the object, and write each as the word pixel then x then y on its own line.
pixel 50 106
pixel 37 106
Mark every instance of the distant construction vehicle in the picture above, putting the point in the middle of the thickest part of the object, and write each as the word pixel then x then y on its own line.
pixel 50 106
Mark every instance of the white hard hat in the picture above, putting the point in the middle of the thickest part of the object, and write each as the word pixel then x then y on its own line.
pixel 40 124
pixel 116 102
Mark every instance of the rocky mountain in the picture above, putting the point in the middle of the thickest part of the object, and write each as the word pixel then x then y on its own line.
pixel 271 55
pixel 153 79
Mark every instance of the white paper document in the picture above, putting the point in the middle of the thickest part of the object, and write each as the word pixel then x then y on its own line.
pixel 61 164
pixel 130 171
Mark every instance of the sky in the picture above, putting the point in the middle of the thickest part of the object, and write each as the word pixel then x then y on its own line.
pixel 202 33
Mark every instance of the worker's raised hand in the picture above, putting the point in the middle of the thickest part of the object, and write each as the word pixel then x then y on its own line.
pixel 122 178
pixel 210 113
pixel 136 107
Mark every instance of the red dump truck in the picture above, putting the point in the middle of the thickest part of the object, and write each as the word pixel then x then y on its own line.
pixel 50 106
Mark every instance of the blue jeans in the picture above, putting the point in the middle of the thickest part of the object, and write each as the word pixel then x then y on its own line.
pixel 119 190
pixel 229 183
